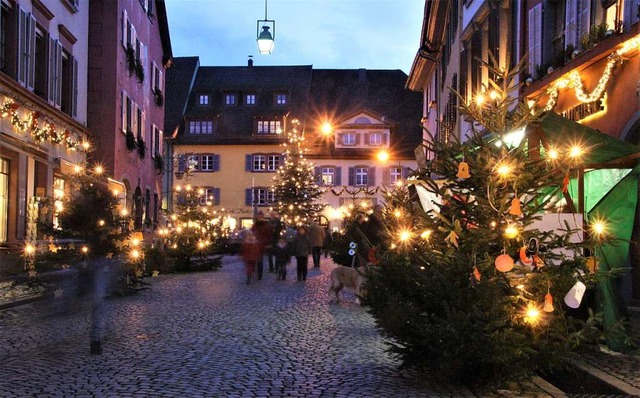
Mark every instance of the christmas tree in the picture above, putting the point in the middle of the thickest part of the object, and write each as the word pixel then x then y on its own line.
pixel 195 230
pixel 294 184
pixel 473 285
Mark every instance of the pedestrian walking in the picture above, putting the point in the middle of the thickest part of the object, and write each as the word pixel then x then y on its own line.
pixel 262 230
pixel 250 252
pixel 276 229
pixel 328 241
pixel 282 256
pixel 301 250
pixel 316 236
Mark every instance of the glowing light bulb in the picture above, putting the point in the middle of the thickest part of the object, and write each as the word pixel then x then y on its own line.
pixel 575 152
pixel 326 128
pixel 504 170
pixel 426 234
pixel 532 314
pixel 479 99
pixel 101 223
pixel 85 250
pixel 86 145
pixel 599 227
pixel 29 249
pixel 494 95
pixel 397 213
pixel 135 254
pixel 115 192
pixel 553 154
pixel 510 232
pixel 77 169
pixel 405 235
pixel 124 212
pixel 98 170
pixel 382 156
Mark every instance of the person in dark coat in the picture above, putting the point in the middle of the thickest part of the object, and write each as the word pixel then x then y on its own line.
pixel 328 240
pixel 264 234
pixel 276 228
pixel 281 253
pixel 316 236
pixel 301 250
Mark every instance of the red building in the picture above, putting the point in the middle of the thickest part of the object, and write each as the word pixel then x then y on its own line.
pixel 129 50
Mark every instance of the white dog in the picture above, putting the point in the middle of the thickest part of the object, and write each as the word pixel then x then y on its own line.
pixel 349 277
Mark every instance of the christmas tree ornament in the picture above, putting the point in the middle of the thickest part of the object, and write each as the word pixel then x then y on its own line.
pixel 476 273
pixel 515 207
pixel 452 238
pixel 525 258
pixel 565 183
pixel 592 264
pixel 463 170
pixel 548 303
pixel 504 263
pixel 574 295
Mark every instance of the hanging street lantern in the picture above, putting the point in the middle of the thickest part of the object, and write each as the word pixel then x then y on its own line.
pixel 264 36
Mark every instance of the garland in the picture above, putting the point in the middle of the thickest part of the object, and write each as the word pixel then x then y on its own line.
pixel 41 132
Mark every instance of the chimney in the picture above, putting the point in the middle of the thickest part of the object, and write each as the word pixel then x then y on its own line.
pixel 250 61
pixel 362 75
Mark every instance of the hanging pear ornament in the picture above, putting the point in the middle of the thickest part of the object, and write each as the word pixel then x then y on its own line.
pixel 515 209
pixel 574 295
pixel 548 303
pixel 463 170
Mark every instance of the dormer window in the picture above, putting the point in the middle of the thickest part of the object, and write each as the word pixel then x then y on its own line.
pixel 250 99
pixel 269 126
pixel 204 99
pixel 229 99
pixel 282 99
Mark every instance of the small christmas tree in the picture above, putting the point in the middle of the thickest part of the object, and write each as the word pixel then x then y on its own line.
pixel 295 189
pixel 470 286
pixel 195 232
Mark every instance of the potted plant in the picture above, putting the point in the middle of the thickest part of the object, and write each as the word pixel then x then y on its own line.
pixel 139 71
pixel 158 163
pixel 157 93
pixel 142 149
pixel 131 60
pixel 131 141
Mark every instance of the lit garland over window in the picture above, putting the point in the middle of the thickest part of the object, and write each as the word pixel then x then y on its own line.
pixel 574 81
pixel 41 133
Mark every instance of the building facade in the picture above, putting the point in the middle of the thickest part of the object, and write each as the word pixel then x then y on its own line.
pixel 228 136
pixel 43 94
pixel 582 62
pixel 129 51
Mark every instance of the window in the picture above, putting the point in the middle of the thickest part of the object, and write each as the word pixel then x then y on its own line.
pixel 264 196
pixel 395 175
pixel 210 196
pixel 362 176
pixel 139 124
pixel 328 176
pixel 26 49
pixel 230 99
pixel 209 162
pixel 156 78
pixel 250 99
pixel 281 99
pixel 40 85
pixel 201 127
pixel 259 162
pixel 204 99
pixel 348 139
pixel 269 127
pixel 127 113
pixel 156 145
pixel 68 87
pixel 4 198
pixel 375 139
pixel 273 162
pixel 5 37
pixel 193 163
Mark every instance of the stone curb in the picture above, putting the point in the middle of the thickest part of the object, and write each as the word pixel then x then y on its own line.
pixel 548 388
pixel 606 378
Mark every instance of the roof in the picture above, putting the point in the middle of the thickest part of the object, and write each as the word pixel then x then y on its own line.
pixel 561 132
pixel 235 124
pixel 338 94
pixel 178 85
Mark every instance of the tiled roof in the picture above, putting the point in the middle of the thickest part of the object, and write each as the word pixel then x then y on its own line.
pixel 179 79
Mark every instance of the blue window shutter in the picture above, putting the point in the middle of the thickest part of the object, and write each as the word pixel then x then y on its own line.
pixel 216 162
pixel 338 181
pixel 318 175
pixel 248 197
pixel 405 172
pixel 216 196
pixel 352 176
pixel 386 176
pixel 248 160
pixel 371 176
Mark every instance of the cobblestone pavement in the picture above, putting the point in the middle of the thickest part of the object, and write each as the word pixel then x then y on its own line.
pixel 207 334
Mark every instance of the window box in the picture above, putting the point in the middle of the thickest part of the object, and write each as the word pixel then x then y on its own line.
pixel 131 141
pixel 159 98
pixel 142 148
pixel 158 164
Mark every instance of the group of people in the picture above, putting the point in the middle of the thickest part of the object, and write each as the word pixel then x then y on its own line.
pixel 270 238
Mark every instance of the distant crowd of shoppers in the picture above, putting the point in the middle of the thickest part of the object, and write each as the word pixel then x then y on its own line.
pixel 269 237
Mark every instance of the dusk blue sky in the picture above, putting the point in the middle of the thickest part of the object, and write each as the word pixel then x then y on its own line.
pixel 334 34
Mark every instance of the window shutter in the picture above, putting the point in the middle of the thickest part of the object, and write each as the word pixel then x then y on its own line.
pixel 216 196
pixel 366 138
pixel 160 80
pixel 371 176
pixel 216 162
pixel 58 83
pixel 385 139
pixel 134 117
pixel 142 124
pixel 248 160
pixel 570 23
pixel 124 112
pixel 134 38
pixel 52 71
pixel 352 176
pixel 318 174
pixel 386 176
pixel 248 197
pixel 22 46
pixel 405 172
pixel 584 18
pixel 74 87
pixel 125 25
pixel 535 38
pixel 338 181
pixel 357 138
pixel 31 68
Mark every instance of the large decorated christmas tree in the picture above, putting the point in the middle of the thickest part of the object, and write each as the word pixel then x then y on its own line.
pixel 296 191
pixel 489 276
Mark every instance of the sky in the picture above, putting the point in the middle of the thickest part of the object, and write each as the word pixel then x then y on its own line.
pixel 328 34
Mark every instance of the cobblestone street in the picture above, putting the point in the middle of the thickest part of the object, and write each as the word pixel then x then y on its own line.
pixel 207 334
